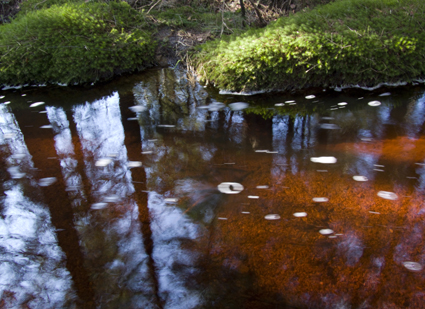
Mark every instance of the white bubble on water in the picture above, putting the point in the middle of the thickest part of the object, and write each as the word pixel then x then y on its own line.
pixel 326 231
pixel 290 101
pixel 1 96
pixel 253 196
pixel 360 178
pixel 111 199
pixel 388 195
pixel 300 214
pixel 48 126
pixel 374 103
pixel 230 187
pixel 103 162
pixel 134 164
pixel 238 106
pixel 262 187
pixel 320 199
pixel 137 108
pixel 413 266
pixel 309 97
pixel 272 217
pixel 36 104
pixel 45 182
pixel 99 205
pixel 385 94
pixel 9 135
pixel 329 126
pixel 324 160
pixel 171 200
pixel 279 104
pixel 245 212
pixel 342 103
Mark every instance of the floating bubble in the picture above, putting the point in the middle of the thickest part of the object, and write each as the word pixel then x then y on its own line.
pixel 1 96
pixel 103 162
pixel 238 106
pixel 378 170
pixel 45 182
pixel 290 101
pixel 324 160
pixel 329 126
pixel 272 217
pixel 147 152
pixel 111 199
pixel 378 165
pixel 99 205
pixel 332 236
pixel 385 94
pixel 326 231
pixel 230 187
pixel 262 187
pixel 268 151
pixel 279 104
pixel 36 104
pixel 15 173
pixel 360 178
pixel 134 164
pixel 342 103
pixel 300 214
pixel 171 200
pixel 260 150
pixel 166 125
pixel 374 103
pixel 413 266
pixel 253 196
pixel 43 112
pixel 132 119
pixel 9 135
pixel 375 212
pixel 221 218
pixel 320 199
pixel 7 102
pixel 24 95
pixel 309 97
pixel 19 156
pixel 137 108
pixel 48 126
pixel 245 212
pixel 366 139
pixel 388 195
pixel 215 106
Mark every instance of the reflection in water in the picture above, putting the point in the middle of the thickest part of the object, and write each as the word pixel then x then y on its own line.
pixel 32 272
pixel 328 213
pixel 111 236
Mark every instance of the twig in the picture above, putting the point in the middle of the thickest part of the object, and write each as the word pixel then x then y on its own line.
pixel 156 3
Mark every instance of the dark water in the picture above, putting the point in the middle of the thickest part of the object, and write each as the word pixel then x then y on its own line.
pixel 105 205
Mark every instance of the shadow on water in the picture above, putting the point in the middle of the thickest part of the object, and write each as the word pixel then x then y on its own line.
pixel 111 197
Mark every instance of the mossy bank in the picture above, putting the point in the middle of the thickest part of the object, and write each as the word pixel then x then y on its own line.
pixel 346 42
pixel 74 43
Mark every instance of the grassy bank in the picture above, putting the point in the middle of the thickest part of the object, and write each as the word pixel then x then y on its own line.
pixel 345 42
pixel 74 43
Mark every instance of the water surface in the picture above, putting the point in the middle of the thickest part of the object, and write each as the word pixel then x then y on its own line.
pixel 155 192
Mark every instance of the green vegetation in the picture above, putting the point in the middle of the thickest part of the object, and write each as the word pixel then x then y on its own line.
pixel 200 18
pixel 74 43
pixel 344 42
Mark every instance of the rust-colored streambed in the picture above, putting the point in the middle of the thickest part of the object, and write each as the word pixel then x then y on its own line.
pixel 154 192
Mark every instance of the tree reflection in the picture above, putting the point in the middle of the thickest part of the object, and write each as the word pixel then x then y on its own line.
pixel 32 267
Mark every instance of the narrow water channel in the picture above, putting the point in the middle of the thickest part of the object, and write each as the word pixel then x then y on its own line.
pixel 155 192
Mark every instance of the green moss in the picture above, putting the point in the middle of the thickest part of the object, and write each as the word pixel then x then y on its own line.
pixel 74 43
pixel 344 42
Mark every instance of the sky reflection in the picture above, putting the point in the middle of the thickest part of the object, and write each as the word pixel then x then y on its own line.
pixel 327 210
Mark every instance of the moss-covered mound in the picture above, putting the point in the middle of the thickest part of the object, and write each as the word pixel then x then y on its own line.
pixel 345 42
pixel 74 43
